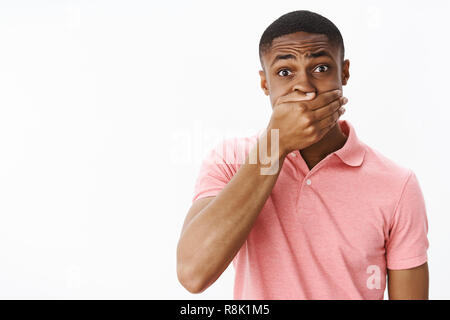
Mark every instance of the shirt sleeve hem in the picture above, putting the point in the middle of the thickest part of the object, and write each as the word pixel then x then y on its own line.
pixel 407 263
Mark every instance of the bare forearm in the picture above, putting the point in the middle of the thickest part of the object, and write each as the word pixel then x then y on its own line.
pixel 409 284
pixel 212 239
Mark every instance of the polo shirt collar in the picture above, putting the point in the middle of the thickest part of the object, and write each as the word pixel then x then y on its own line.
pixel 353 151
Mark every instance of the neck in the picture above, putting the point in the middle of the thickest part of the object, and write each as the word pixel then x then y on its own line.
pixel 334 140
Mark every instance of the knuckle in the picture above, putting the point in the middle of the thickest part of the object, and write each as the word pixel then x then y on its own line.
pixel 310 130
pixel 315 135
pixel 308 118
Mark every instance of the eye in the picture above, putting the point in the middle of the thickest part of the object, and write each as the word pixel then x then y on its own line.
pixel 323 68
pixel 282 70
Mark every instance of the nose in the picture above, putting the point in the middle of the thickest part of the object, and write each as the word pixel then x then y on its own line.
pixel 303 85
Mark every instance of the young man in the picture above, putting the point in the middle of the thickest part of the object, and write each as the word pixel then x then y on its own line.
pixel 334 219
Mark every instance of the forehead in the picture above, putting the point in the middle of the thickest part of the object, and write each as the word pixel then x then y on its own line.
pixel 300 43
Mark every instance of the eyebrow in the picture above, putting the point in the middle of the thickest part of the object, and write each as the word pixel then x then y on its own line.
pixel 321 53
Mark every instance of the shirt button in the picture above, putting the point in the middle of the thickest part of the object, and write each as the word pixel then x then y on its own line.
pixel 308 182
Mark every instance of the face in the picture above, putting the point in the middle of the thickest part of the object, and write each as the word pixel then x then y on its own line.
pixel 302 62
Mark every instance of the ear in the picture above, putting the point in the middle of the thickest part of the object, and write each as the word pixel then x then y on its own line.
pixel 345 71
pixel 264 82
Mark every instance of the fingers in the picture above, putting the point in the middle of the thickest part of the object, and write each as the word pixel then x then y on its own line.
pixel 336 109
pixel 325 98
pixel 328 109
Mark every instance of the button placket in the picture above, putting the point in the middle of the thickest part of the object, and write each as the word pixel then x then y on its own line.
pixel 302 207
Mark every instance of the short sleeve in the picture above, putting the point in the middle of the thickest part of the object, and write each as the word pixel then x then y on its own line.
pixel 408 243
pixel 215 171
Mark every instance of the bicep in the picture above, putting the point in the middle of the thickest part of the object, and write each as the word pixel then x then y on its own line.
pixel 408 284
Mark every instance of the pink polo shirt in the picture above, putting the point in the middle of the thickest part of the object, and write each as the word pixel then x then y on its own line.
pixel 329 232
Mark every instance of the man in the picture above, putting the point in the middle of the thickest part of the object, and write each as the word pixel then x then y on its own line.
pixel 334 219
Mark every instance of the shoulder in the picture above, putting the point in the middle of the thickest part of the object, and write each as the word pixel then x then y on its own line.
pixel 384 169
pixel 387 179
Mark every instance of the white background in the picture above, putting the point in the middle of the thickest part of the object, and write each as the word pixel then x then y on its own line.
pixel 107 108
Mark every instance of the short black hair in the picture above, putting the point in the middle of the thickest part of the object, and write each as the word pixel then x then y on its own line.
pixel 296 21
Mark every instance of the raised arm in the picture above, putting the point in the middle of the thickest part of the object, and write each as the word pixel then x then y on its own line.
pixel 216 227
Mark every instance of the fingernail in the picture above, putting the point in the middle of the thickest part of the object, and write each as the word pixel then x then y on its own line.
pixel 345 100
